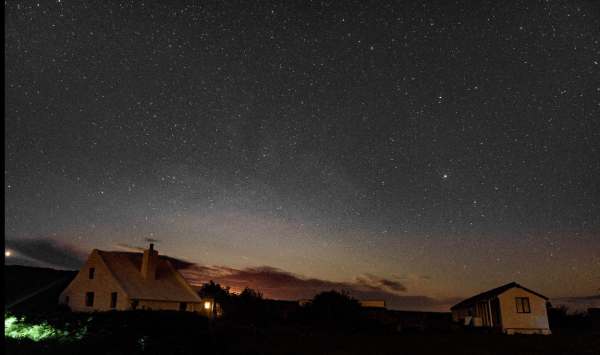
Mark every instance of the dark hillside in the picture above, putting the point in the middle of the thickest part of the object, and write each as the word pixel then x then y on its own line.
pixel 21 282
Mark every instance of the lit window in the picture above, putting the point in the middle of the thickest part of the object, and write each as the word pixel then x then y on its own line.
pixel 207 305
pixel 522 305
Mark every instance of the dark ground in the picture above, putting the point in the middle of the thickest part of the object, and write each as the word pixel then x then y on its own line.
pixel 232 342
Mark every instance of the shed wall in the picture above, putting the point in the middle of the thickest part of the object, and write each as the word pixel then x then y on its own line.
pixel 534 322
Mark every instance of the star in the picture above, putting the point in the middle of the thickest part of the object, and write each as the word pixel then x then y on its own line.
pixel 211 130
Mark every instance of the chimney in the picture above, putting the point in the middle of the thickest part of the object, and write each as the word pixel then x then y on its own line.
pixel 149 263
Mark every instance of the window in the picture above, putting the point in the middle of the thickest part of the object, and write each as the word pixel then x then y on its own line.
pixel 182 306
pixel 134 304
pixel 92 272
pixel 89 299
pixel 113 300
pixel 523 305
pixel 66 300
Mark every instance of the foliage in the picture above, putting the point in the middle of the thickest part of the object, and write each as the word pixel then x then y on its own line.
pixel 214 290
pixel 19 328
pixel 247 307
pixel 250 295
pixel 172 332
pixel 334 306
pixel 561 319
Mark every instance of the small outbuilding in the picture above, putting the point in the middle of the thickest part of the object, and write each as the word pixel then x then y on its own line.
pixel 112 280
pixel 509 309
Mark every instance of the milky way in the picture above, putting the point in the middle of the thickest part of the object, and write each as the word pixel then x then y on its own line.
pixel 449 147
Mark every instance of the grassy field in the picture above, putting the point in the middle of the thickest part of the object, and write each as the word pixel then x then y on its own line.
pixel 180 333
pixel 325 344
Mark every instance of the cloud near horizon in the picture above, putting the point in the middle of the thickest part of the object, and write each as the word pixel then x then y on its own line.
pixel 280 284
pixel 272 282
pixel 44 252
pixel 577 304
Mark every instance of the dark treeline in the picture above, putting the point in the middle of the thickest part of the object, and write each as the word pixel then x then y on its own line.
pixel 562 320
pixel 335 310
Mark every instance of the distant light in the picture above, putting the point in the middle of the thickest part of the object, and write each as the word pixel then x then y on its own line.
pixel 207 305
pixel 445 176
pixel 7 253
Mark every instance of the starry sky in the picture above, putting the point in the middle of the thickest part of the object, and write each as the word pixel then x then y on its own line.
pixel 412 149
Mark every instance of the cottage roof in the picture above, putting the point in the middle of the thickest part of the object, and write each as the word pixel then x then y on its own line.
pixel 484 296
pixel 168 285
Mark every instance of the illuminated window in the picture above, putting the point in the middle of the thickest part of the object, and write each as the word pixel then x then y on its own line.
pixel 113 300
pixel 89 299
pixel 207 305
pixel 522 305
pixel 92 272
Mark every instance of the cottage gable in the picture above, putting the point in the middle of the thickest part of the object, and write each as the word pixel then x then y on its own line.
pixel 96 278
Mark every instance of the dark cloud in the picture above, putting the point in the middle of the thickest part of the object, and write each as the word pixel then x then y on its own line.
pixel 378 283
pixel 129 247
pixel 280 284
pixel 44 252
pixel 177 263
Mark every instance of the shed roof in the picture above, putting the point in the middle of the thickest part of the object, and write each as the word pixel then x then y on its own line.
pixel 484 296
pixel 168 285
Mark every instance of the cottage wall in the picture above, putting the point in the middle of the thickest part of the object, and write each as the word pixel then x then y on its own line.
pixel 103 284
pixel 166 305
pixel 513 322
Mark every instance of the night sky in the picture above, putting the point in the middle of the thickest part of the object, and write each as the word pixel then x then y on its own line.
pixel 413 150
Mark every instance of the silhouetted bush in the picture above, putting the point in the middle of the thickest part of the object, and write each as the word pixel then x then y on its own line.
pixel 562 320
pixel 247 307
pixel 334 309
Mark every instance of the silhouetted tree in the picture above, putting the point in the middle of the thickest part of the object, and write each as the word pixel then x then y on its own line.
pixel 248 306
pixel 335 307
pixel 219 294
pixel 250 295
pixel 211 289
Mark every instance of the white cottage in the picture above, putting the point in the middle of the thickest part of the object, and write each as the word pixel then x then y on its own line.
pixel 122 280
pixel 510 309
